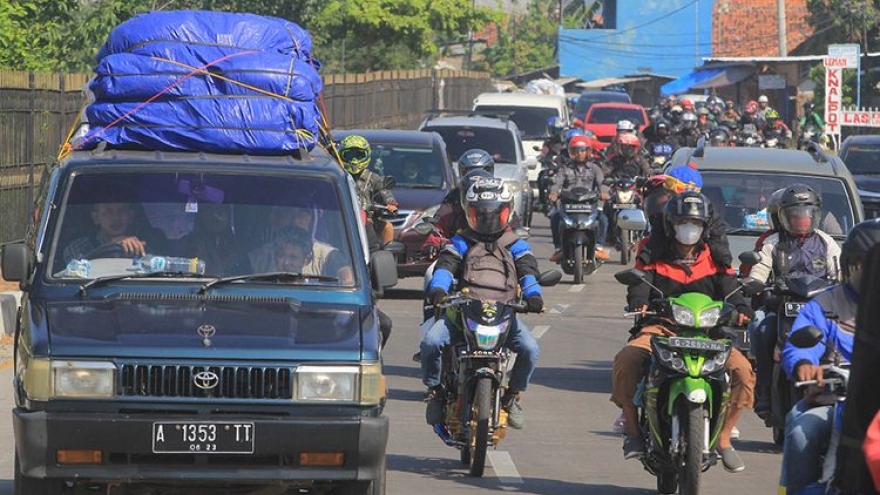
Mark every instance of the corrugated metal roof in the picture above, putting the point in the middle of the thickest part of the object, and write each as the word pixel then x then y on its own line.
pixel 796 58
pixel 611 81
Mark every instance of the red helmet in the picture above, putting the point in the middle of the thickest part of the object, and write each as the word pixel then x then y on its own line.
pixel 628 144
pixel 687 104
pixel 580 142
pixel 751 107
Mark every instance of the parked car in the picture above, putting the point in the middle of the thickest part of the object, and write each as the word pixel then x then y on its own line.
pixel 423 175
pixel 588 98
pixel 531 112
pixel 500 137
pixel 224 356
pixel 739 181
pixel 602 119
pixel 861 154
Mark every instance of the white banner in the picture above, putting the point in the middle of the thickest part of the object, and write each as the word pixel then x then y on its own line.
pixel 860 118
pixel 847 54
pixel 832 101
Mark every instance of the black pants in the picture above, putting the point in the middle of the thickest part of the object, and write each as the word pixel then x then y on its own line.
pixel 385 323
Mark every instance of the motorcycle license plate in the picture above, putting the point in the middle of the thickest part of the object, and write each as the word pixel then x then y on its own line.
pixel 696 344
pixel 624 206
pixel 793 308
pixel 576 208
pixel 204 437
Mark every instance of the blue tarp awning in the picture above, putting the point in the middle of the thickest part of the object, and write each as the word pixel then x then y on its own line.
pixel 708 77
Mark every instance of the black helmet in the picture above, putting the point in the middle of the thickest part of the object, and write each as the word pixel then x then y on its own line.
pixel 799 201
pixel 719 137
pixel 858 242
pixel 689 120
pixel 773 204
pixel 809 107
pixel 688 205
pixel 488 205
pixel 474 159
pixel 468 179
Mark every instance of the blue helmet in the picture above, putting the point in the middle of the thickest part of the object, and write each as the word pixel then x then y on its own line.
pixel 572 133
pixel 555 126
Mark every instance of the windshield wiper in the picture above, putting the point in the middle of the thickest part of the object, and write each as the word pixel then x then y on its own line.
pixel 280 276
pixel 113 278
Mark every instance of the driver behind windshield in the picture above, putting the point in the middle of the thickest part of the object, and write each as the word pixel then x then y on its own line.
pixel 114 223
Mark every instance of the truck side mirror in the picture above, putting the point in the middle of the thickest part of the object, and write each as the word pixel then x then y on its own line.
pixel 383 268
pixel 16 262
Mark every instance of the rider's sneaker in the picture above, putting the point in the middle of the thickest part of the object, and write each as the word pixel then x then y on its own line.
pixel 734 433
pixel 417 357
pixel 601 254
pixel 434 413
pixel 731 460
pixel 515 415
pixel 619 425
pixel 555 257
pixel 633 447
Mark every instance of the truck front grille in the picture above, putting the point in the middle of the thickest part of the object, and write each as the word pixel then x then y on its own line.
pixel 232 382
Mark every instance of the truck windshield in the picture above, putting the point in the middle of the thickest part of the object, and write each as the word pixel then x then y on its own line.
pixel 206 224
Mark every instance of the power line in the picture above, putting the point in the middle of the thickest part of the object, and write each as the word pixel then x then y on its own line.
pixel 664 16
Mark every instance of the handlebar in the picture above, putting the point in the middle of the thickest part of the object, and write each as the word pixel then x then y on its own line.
pixel 827 381
pixel 459 298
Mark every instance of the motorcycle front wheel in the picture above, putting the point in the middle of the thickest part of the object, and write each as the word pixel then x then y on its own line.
pixel 692 419
pixel 578 256
pixel 481 412
pixel 625 242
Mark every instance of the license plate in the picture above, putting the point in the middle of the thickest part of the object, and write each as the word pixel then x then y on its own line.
pixel 793 308
pixel 578 208
pixel 696 344
pixel 623 206
pixel 209 437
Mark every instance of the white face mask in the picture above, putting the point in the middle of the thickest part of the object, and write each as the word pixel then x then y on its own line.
pixel 688 233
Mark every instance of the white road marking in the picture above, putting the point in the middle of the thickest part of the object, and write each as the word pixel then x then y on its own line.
pixel 559 308
pixel 576 288
pixel 540 330
pixel 504 468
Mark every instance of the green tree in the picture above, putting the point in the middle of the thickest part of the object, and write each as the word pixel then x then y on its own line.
pixel 845 21
pixel 527 42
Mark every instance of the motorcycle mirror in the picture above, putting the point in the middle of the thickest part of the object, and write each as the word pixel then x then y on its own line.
pixel 549 278
pixel 749 257
pixel 805 337
pixel 536 148
pixel 630 277
pixel 521 233
pixel 423 227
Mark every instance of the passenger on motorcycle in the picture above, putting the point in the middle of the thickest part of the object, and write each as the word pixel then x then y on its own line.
pixel 678 180
pixel 578 171
pixel 686 266
pixel 808 426
pixel 626 161
pixel 554 142
pixel 776 128
pixel 806 250
pixel 449 218
pixel 355 153
pixel 488 205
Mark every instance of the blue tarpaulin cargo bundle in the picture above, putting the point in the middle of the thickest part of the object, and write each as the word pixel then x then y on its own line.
pixel 205 81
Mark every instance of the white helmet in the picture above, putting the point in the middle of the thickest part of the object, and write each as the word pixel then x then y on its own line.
pixel 625 126
pixel 763 99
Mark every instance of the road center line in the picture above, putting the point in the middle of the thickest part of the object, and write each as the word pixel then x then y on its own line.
pixel 540 330
pixel 576 288
pixel 504 468
pixel 559 308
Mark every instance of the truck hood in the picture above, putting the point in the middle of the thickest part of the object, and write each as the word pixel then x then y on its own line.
pixel 238 327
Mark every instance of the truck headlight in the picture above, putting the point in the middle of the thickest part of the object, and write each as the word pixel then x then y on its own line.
pixel 364 384
pixel 45 379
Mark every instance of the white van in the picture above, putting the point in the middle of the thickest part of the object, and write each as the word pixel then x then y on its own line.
pixel 530 111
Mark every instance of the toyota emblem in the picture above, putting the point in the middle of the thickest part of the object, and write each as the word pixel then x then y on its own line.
pixel 206 380
pixel 206 331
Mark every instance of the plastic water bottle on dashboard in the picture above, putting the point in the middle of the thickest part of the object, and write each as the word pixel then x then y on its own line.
pixel 170 264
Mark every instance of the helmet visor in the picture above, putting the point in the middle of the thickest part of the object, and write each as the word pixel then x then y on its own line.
pixel 354 155
pixel 488 218
pixel 800 219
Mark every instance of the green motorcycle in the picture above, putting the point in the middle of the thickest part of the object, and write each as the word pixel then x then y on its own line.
pixel 683 399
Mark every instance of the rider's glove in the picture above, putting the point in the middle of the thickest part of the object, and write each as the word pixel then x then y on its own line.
pixel 746 310
pixel 535 304
pixel 436 296
pixel 430 251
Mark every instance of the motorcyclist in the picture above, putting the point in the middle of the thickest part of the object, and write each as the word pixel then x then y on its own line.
pixel 705 124
pixel 776 128
pixel 730 113
pixel 811 117
pixel 719 137
pixel 808 426
pixel 661 143
pixel 686 266
pixel 797 248
pixel 355 153
pixel 763 106
pixel 551 148
pixel 688 135
pixel 623 127
pixel 449 218
pixel 488 205
pixel 579 171
pixel 626 161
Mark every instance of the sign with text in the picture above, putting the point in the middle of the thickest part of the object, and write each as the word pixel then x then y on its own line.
pixel 860 118
pixel 846 54
pixel 832 100
pixel 771 81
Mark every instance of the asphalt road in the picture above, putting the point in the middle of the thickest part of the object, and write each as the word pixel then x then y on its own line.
pixel 567 446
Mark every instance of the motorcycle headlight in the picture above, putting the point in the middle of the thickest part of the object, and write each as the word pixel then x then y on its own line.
pixel 709 317
pixel 683 316
pixel 669 357
pixel 716 362
pixel 625 196
pixel 513 186
pixel 568 221
pixel 487 335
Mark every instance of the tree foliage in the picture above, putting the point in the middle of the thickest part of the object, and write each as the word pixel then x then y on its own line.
pixel 527 42
pixel 845 21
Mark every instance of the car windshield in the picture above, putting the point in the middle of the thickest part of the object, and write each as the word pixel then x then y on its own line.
pixel 585 101
pixel 207 224
pixel 499 143
pixel 863 159
pixel 532 121
pixel 411 167
pixel 613 115
pixel 741 199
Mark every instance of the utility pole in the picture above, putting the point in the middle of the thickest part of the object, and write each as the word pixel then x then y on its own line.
pixel 780 26
pixel 470 53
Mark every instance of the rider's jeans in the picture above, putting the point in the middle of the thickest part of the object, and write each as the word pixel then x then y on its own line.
pixel 807 433
pixel 519 341
pixel 601 233
pixel 763 341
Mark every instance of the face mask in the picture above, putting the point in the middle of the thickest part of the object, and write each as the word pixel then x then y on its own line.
pixel 688 233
